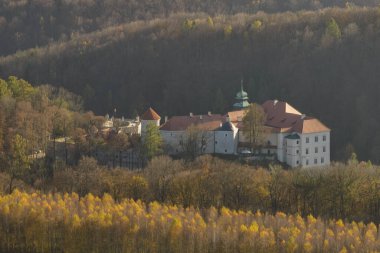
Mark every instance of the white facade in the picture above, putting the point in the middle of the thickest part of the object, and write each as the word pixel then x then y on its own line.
pixel 215 142
pixel 315 149
pixel 226 142
pixel 294 138
pixel 308 150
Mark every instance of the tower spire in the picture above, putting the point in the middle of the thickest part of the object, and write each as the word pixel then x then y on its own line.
pixel 241 98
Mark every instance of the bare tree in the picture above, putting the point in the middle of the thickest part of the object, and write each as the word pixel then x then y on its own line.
pixel 254 125
pixel 194 142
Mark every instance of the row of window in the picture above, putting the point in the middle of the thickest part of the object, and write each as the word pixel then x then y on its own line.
pixel 315 150
pixel 307 150
pixel 316 138
pixel 316 161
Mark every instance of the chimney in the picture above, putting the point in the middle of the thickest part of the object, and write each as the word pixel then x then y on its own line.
pixel 200 116
pixel 166 119
pixel 275 102
pixel 191 114
pixel 303 116
pixel 209 113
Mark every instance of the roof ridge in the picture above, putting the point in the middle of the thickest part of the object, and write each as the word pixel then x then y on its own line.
pixel 150 114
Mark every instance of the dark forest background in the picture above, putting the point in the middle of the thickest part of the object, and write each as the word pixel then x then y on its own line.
pixel 189 56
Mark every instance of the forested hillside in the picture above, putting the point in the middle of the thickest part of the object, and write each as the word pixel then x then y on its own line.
pixel 324 62
pixel 30 23
pixel 66 223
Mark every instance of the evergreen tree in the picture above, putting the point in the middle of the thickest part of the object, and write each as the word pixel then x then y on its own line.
pixel 151 142
pixel 333 29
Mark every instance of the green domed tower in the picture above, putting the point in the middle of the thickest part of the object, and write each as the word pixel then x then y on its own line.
pixel 241 99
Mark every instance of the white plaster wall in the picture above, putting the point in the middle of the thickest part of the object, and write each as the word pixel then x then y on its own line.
pixel 225 142
pixel 293 158
pixel 281 154
pixel 172 140
pixel 322 157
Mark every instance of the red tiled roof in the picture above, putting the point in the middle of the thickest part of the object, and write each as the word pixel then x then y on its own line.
pixel 236 116
pixel 150 114
pixel 309 125
pixel 204 122
pixel 286 119
pixel 281 117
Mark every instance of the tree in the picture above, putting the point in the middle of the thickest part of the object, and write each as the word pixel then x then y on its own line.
pixel 20 88
pixel 193 142
pixel 18 160
pixel 151 142
pixel 333 29
pixel 253 125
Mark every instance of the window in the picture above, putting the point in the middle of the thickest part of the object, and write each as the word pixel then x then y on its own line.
pixel 216 142
pixel 180 142
pixel 307 139
pixel 307 162
pixel 298 142
pixel 316 138
pixel 324 137
pixel 324 149
pixel 298 151
pixel 307 151
pixel 315 161
pixel 298 162
pixel 322 160
pixel 268 151
pixel 316 150
pixel 225 151
pixel 225 135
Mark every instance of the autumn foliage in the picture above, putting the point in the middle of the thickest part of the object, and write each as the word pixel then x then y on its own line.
pixel 66 223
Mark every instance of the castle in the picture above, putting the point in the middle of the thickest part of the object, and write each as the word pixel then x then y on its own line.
pixel 294 138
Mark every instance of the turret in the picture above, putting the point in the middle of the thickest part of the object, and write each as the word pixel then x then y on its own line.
pixel 241 99
pixel 149 117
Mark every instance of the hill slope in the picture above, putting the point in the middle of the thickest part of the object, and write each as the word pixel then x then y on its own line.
pixel 29 23
pixel 325 63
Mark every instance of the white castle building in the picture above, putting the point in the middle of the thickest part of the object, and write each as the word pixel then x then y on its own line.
pixel 294 138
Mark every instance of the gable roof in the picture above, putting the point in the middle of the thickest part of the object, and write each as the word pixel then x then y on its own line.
pixel 203 122
pixel 309 125
pixel 227 127
pixel 286 119
pixel 236 116
pixel 150 114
